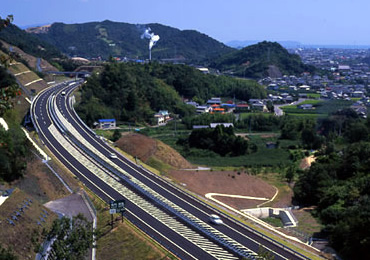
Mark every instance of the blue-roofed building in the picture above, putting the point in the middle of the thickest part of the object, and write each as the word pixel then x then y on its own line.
pixel 107 123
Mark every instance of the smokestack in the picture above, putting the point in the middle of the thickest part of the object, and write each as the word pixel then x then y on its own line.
pixel 152 40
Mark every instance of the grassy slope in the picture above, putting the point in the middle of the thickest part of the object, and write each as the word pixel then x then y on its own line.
pixel 20 236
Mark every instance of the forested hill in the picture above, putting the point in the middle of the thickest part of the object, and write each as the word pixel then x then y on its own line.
pixel 260 60
pixel 134 92
pixel 29 43
pixel 109 38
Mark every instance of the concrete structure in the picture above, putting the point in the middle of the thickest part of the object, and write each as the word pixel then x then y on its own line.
pixel 213 125
pixel 203 109
pixel 214 100
pixel 286 216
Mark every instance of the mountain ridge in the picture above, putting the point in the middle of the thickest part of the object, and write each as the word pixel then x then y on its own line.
pixel 256 61
pixel 108 38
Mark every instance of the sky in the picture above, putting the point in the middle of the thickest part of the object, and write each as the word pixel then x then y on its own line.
pixel 344 22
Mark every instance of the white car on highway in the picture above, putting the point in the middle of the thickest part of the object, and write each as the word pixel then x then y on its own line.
pixel 215 219
pixel 113 156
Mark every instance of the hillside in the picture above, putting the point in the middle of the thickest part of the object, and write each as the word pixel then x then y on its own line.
pixel 107 38
pixel 26 229
pixel 150 150
pixel 37 64
pixel 29 43
pixel 134 92
pixel 261 60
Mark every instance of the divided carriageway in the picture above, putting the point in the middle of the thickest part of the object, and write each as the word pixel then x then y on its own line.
pixel 175 219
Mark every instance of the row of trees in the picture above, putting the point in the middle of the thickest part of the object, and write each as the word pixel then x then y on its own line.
pixel 13 144
pixel 220 140
pixel 72 237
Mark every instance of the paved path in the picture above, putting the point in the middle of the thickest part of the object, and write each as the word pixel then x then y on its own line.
pixel 280 112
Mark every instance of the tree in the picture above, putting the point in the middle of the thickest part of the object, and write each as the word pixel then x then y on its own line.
pixel 116 135
pixel 7 254
pixel 290 173
pixel 270 107
pixel 73 237
pixel 8 87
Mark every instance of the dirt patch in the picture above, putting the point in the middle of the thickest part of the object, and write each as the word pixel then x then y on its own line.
pixel 145 148
pixel 284 198
pixel 268 135
pixel 70 206
pixel 306 162
pixel 274 72
pixel 224 182
pixel 239 203
pixel 243 135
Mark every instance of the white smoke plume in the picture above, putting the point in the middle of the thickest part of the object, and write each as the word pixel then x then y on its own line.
pixel 153 38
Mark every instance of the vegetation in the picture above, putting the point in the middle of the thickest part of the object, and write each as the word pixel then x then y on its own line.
pixel 13 146
pixel 338 183
pixel 7 254
pixel 254 61
pixel 107 38
pixel 259 122
pixel 220 140
pixel 73 237
pixel 134 92
pixel 29 43
pixel 13 149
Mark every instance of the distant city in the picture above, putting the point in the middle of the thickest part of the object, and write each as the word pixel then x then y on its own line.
pixel 295 44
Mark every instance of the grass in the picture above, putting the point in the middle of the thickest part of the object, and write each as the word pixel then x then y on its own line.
pixel 105 133
pixel 322 108
pixel 17 68
pixel 262 158
pixel 247 114
pixel 306 222
pixel 313 95
pixel 313 102
pixel 276 222
pixel 27 77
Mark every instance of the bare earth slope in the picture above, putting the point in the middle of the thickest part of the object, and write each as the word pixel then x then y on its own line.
pixel 146 148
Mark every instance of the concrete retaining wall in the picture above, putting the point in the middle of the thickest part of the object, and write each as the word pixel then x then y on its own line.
pixel 286 216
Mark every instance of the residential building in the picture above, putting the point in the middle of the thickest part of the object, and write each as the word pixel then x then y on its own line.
pixel 107 123
pixel 162 117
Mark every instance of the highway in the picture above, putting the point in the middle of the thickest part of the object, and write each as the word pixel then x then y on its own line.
pixel 177 220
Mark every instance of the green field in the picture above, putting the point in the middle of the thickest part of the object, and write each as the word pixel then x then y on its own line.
pixel 322 108
pixel 262 158
pixel 313 95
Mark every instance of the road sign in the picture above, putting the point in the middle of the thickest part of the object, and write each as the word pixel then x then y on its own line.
pixel 117 206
